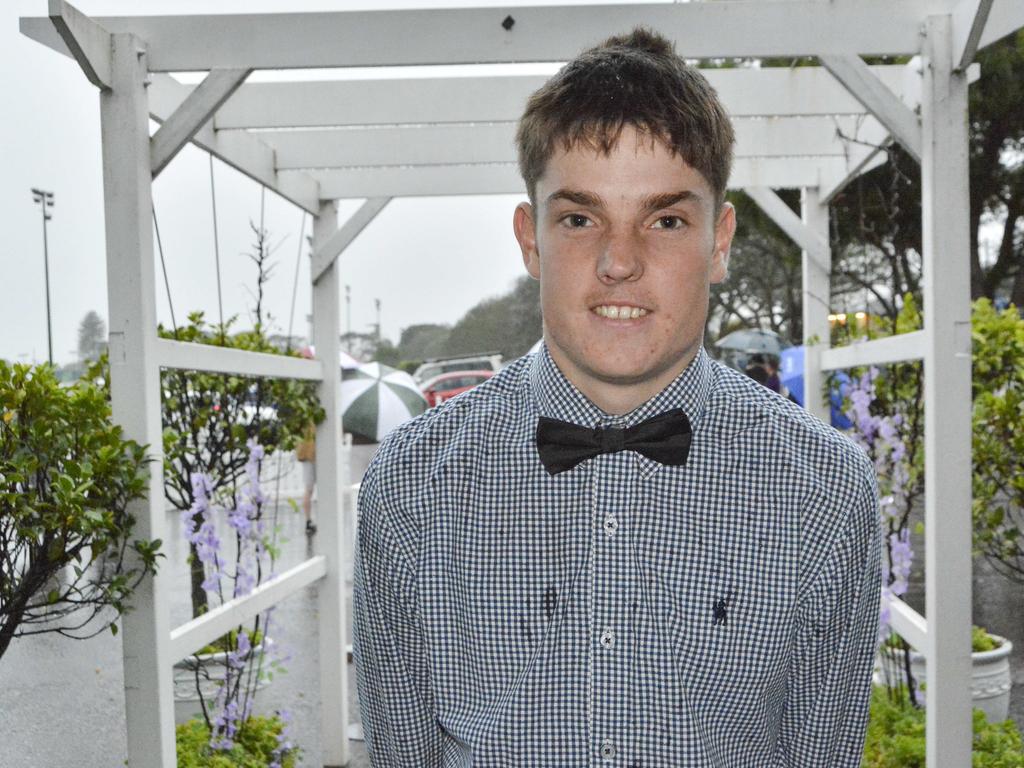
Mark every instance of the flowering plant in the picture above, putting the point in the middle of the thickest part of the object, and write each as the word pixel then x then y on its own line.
pixel 251 651
pixel 882 437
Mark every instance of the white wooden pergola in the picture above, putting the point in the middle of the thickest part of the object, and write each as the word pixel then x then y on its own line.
pixel 319 141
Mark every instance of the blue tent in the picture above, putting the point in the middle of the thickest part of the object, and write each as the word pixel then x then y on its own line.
pixel 791 373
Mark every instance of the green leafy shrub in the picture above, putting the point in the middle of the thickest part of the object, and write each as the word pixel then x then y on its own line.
pixel 998 444
pixel 67 481
pixel 896 739
pixel 257 744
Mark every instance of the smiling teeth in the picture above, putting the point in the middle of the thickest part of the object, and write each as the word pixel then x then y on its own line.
pixel 620 313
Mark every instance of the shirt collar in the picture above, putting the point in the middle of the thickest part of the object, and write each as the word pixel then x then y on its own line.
pixel 558 398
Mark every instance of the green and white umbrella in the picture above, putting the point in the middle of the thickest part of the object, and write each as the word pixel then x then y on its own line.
pixel 376 398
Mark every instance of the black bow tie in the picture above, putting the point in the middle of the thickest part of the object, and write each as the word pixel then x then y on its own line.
pixel 664 438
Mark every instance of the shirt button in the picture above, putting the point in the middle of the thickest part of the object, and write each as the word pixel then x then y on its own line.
pixel 607 639
pixel 610 525
pixel 607 749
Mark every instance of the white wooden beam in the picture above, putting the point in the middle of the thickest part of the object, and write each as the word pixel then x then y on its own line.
pixel 202 630
pixel 969 17
pixel 1004 18
pixel 460 144
pixel 242 151
pixel 856 76
pixel 328 251
pixel 891 349
pixel 190 115
pixel 815 268
pixel 188 356
pixel 135 390
pixel 809 240
pixel 504 178
pixel 332 477
pixel 88 42
pixel 910 625
pixel 476 35
pixel 946 293
pixel 776 91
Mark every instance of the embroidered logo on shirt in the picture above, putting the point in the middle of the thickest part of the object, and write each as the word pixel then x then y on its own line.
pixel 720 610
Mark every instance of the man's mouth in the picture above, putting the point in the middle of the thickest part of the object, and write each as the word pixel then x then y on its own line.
pixel 619 312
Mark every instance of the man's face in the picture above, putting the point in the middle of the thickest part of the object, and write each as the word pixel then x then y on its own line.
pixel 625 247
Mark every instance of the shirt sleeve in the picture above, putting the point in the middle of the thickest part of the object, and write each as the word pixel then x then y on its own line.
pixel 829 686
pixel 388 647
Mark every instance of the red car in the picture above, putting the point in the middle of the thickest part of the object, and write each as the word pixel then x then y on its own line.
pixel 447 385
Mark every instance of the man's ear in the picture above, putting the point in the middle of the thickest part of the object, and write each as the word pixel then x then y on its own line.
pixel 526 233
pixel 725 228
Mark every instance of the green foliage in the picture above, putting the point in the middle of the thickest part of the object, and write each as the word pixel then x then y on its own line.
pixel 998 389
pixel 67 478
pixel 254 747
pixel 982 641
pixel 896 737
pixel 998 423
pixel 510 323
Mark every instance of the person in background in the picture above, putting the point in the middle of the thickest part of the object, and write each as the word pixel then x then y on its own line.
pixel 305 452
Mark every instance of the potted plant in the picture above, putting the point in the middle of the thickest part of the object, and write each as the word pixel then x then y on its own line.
pixel 67 480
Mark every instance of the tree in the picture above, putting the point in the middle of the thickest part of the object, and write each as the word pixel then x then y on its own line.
pixel 510 324
pixel 92 336
pixel 762 289
pixel 419 342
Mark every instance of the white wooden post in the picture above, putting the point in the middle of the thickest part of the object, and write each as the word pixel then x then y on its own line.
pixel 330 500
pixel 816 293
pixel 135 390
pixel 947 400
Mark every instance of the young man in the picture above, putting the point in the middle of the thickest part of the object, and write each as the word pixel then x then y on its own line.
pixel 616 551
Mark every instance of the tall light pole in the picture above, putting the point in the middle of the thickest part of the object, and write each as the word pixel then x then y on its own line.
pixel 45 200
pixel 377 303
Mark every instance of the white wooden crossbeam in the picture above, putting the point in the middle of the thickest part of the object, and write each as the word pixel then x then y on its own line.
pixel 87 42
pixel 891 349
pixel 203 630
pixel 494 142
pixel 775 91
pixel 326 254
pixel 969 17
pixel 856 76
pixel 553 33
pixel 190 115
pixel 504 178
pixel 1005 18
pixel 909 624
pixel 188 356
pixel 242 151
pixel 790 223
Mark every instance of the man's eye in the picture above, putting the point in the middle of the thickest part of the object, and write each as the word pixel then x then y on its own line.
pixel 668 222
pixel 576 220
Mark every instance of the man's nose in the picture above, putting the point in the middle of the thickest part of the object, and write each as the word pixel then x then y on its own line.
pixel 619 259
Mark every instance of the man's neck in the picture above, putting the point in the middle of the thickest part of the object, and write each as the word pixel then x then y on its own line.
pixel 617 399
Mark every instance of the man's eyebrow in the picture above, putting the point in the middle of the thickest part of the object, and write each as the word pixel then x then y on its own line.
pixel 668 199
pixel 576 196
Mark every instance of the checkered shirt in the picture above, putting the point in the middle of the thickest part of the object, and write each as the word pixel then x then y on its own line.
pixel 622 613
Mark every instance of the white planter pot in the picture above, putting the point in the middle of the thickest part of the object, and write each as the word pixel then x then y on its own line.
pixel 990 678
pixel 212 671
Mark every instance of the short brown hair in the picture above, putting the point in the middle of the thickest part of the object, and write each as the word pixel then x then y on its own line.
pixel 638 80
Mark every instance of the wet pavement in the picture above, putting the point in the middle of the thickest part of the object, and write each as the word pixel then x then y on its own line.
pixel 62 701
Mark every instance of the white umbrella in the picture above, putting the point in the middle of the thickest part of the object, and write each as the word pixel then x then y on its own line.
pixel 376 398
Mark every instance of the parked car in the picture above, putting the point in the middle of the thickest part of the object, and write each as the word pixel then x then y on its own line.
pixel 435 366
pixel 448 385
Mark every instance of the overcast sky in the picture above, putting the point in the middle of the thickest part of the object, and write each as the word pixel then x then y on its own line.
pixel 426 259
